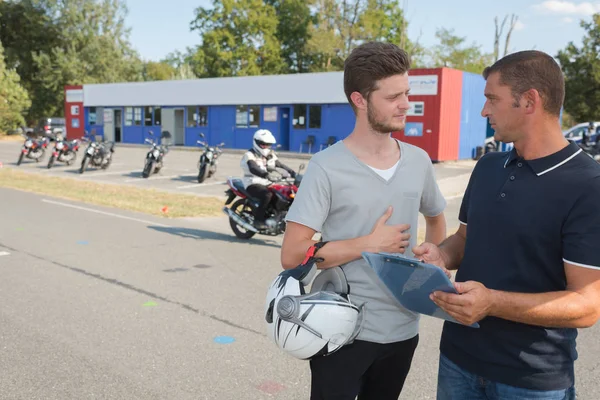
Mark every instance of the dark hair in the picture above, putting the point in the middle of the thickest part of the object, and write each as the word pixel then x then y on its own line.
pixel 370 62
pixel 532 69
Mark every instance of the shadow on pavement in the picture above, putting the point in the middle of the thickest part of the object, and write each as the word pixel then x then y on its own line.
pixel 208 235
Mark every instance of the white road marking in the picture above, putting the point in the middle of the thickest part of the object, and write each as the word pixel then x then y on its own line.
pixel 93 174
pixel 103 213
pixel 4 253
pixel 201 184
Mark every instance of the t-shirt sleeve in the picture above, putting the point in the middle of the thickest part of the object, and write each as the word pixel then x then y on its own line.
pixel 432 201
pixel 312 202
pixel 581 230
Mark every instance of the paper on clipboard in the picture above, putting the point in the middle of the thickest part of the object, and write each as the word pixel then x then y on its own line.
pixel 411 282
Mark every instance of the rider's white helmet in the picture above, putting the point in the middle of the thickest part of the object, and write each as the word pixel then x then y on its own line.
pixel 262 141
pixel 308 325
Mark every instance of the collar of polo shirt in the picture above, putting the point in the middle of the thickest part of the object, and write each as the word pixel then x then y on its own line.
pixel 546 164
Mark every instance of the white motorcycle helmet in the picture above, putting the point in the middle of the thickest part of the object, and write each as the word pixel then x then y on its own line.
pixel 309 325
pixel 262 141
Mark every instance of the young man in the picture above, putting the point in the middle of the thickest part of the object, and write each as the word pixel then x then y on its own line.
pixel 364 194
pixel 529 266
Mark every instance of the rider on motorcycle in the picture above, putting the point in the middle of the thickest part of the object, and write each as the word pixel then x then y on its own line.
pixel 259 165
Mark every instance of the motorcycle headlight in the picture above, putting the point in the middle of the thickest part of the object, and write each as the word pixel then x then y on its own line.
pixel 28 143
pixel 209 155
pixel 60 146
pixel 156 153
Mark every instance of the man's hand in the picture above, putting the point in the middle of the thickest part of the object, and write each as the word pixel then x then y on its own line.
pixel 473 303
pixel 431 254
pixel 389 238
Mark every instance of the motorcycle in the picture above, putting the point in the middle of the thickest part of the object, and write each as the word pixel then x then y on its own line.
pixel 241 212
pixel 33 148
pixel 64 151
pixel 591 149
pixel 98 154
pixel 207 165
pixel 155 156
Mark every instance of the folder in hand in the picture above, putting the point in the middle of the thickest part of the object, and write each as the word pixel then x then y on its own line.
pixel 411 281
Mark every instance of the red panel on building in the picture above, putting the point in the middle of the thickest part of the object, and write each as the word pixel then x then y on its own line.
pixel 74 113
pixel 434 121
pixel 448 138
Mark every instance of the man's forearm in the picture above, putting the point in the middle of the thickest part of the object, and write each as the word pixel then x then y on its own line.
pixel 453 251
pixel 333 253
pixel 435 229
pixel 566 309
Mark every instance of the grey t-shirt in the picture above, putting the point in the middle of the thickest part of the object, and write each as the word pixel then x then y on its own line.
pixel 342 197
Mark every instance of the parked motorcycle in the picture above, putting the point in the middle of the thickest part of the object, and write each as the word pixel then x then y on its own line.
pixel 98 154
pixel 64 150
pixel 155 156
pixel 591 149
pixel 209 159
pixel 33 148
pixel 241 212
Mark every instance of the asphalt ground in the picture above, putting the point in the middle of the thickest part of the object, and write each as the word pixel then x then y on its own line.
pixel 105 304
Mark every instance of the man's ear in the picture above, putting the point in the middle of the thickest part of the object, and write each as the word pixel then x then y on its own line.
pixel 358 100
pixel 532 101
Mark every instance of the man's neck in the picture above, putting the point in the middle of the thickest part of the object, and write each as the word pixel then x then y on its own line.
pixel 369 143
pixel 544 140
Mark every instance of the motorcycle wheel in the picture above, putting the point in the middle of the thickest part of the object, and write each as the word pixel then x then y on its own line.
pixel 203 173
pixel 239 231
pixel 20 160
pixel 84 164
pixel 147 169
pixel 51 162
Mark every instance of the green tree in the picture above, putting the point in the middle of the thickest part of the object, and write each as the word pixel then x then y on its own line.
pixel 294 19
pixel 452 52
pixel 14 100
pixel 88 44
pixel 342 25
pixel 158 71
pixel 238 38
pixel 581 69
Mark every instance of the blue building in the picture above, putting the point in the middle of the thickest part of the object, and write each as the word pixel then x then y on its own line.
pixel 305 112
pixel 302 110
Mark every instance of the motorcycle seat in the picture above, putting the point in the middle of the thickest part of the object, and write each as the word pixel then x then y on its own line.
pixel 239 186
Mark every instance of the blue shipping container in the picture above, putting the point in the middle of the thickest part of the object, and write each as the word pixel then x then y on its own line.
pixel 472 124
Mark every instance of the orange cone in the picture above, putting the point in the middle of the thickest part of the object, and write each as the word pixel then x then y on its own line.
pixel 165 209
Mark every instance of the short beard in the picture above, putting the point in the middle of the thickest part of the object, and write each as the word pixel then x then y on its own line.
pixel 376 125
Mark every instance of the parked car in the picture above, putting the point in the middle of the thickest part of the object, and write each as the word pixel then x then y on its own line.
pixel 575 133
pixel 50 127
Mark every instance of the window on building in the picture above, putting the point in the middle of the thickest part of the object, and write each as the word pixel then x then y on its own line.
pixel 92 116
pixel 157 116
pixel 202 116
pixel 314 117
pixel 137 116
pixel 299 116
pixel 192 116
pixel 128 116
pixel 254 116
pixel 241 116
pixel 148 116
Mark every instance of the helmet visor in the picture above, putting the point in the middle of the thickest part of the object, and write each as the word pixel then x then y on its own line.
pixel 263 145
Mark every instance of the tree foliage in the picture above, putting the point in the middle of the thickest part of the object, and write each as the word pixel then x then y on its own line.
pixel 14 100
pixel 452 52
pixel 581 69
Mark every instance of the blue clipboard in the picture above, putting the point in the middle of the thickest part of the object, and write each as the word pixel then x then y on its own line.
pixel 411 282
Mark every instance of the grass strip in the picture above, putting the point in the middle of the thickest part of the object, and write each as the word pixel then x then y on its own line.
pixel 147 201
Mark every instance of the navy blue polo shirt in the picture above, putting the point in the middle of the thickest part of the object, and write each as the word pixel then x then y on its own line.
pixel 525 218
